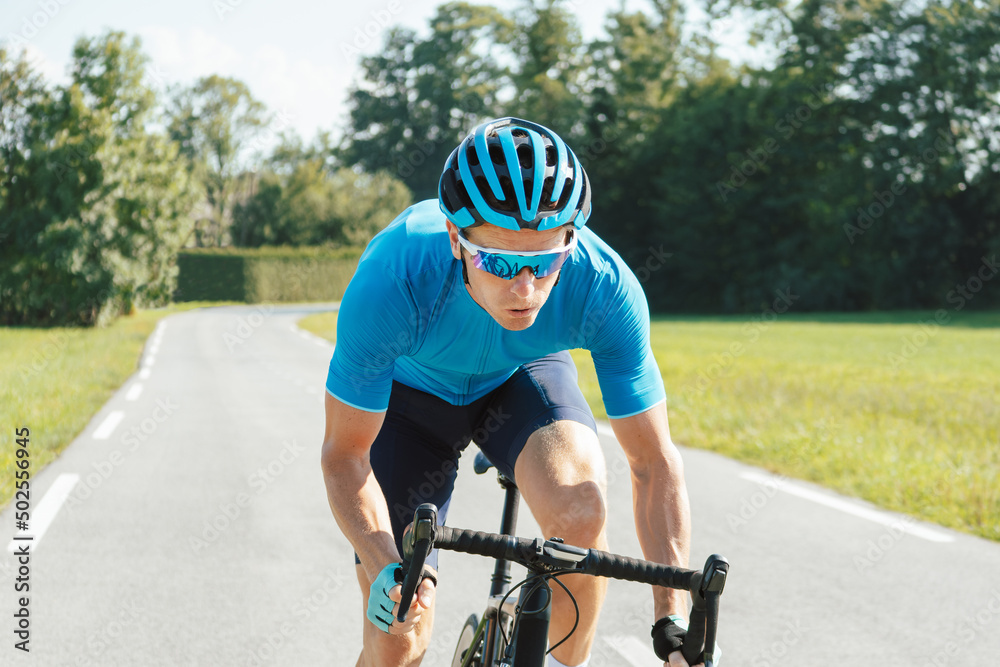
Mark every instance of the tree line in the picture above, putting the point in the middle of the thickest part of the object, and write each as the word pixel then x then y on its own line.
pixel 104 179
pixel 857 168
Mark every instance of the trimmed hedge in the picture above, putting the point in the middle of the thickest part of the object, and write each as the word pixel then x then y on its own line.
pixel 256 275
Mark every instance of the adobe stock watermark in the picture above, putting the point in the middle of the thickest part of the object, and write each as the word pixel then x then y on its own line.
pixel 961 295
pixel 380 20
pixel 131 440
pixel 31 26
pixel 223 7
pixel 970 628
pixel 750 506
pixel 129 614
pixel 655 260
pixel 752 330
pixel 259 481
pixel 878 548
pixel 246 326
pixel 868 215
pixel 299 613
pixel 759 156
pixel 435 480
pixel 777 652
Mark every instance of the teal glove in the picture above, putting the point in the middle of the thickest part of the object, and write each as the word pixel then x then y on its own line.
pixel 379 605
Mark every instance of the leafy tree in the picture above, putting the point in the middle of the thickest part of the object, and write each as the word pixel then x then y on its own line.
pixel 94 206
pixel 420 96
pixel 312 206
pixel 217 123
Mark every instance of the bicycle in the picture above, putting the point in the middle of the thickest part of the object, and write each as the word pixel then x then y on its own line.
pixel 517 634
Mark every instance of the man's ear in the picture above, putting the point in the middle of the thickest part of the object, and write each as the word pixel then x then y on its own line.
pixel 456 248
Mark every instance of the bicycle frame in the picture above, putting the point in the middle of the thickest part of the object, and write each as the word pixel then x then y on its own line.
pixel 529 635
pixel 529 621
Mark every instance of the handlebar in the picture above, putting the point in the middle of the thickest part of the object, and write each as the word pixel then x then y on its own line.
pixel 540 555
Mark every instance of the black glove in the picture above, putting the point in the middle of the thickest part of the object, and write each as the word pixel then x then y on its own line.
pixel 668 636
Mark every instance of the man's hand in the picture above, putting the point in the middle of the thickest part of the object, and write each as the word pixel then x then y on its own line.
pixel 677 660
pixel 422 600
pixel 384 598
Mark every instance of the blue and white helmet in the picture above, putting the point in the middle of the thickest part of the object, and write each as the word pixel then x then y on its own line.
pixel 517 175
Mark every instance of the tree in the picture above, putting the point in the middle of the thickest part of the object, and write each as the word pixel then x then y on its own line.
pixel 420 97
pixel 97 206
pixel 217 123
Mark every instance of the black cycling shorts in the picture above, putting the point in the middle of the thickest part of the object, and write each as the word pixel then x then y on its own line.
pixel 415 455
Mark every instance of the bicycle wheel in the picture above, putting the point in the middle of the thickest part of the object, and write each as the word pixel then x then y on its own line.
pixel 465 644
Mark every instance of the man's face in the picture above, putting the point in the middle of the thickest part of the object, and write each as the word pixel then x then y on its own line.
pixel 513 303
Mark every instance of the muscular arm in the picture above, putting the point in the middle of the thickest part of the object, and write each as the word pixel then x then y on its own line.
pixel 355 497
pixel 659 497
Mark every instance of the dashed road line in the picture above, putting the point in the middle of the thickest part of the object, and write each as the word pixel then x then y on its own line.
pixel 144 373
pixel 134 391
pixel 47 508
pixel 108 426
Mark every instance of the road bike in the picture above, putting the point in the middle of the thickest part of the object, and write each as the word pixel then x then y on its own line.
pixel 509 634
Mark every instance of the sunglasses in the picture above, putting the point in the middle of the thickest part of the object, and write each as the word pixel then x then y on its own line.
pixel 506 263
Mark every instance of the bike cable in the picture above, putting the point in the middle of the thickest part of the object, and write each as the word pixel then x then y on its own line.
pixel 538 579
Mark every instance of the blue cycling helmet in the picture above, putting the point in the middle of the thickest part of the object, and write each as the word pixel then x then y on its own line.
pixel 517 175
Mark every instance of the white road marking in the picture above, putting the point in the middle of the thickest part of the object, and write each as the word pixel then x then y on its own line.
pixel 850 507
pixel 109 425
pixel 635 651
pixel 134 391
pixel 46 510
pixel 149 360
pixel 144 373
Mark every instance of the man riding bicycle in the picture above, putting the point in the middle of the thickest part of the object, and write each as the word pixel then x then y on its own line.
pixel 456 327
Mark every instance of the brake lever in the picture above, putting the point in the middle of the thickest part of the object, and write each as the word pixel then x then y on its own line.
pixel 417 544
pixel 699 644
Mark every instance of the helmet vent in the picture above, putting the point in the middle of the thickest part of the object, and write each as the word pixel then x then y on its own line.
pixel 474 158
pixel 496 154
pixel 567 191
pixel 518 132
pixel 463 197
pixel 547 186
pixel 485 190
pixel 550 156
pixel 525 156
pixel 508 191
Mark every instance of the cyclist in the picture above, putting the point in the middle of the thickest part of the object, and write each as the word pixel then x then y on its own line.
pixel 455 328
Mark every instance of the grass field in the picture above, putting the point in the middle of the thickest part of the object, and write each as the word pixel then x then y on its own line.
pixel 53 381
pixel 890 407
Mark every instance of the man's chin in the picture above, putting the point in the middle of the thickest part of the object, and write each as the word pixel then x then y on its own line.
pixel 511 323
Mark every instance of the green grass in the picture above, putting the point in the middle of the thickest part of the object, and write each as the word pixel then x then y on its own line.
pixel 54 380
pixel 877 406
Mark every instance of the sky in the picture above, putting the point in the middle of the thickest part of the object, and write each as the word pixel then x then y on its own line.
pixel 299 57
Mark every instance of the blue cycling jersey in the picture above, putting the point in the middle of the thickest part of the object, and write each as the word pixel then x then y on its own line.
pixel 407 316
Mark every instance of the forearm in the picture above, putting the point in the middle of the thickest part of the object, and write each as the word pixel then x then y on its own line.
pixel 663 525
pixel 360 509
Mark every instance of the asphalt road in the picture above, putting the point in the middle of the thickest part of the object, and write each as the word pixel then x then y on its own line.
pixel 189 526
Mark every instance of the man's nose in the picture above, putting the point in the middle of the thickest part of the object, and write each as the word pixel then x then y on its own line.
pixel 523 284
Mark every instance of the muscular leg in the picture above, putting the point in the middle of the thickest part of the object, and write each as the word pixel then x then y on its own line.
pixel 561 474
pixel 382 650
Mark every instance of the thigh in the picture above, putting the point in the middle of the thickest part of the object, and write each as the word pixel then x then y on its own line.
pixel 415 455
pixel 538 396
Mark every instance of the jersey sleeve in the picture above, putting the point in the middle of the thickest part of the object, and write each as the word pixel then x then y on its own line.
pixel 623 357
pixel 374 328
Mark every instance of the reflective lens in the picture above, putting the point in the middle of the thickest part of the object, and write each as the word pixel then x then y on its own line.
pixel 506 263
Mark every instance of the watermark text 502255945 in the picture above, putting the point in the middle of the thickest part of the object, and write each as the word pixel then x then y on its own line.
pixel 22 517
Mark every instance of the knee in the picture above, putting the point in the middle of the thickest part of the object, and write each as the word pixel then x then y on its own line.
pixel 580 515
